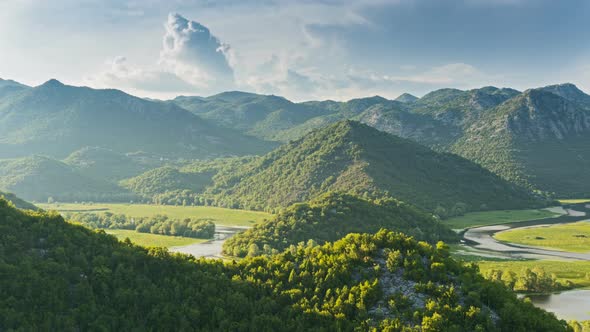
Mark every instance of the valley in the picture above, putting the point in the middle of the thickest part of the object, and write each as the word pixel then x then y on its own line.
pixel 271 180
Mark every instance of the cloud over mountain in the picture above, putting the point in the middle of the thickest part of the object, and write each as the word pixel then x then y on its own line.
pixel 193 53
pixel 192 60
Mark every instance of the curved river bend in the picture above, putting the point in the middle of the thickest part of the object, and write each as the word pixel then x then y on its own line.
pixel 568 305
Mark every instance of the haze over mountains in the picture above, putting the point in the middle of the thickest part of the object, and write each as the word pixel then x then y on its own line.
pixel 56 120
pixel 101 137
pixel 522 136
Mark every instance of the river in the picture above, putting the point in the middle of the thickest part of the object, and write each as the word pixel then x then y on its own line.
pixel 212 248
pixel 568 305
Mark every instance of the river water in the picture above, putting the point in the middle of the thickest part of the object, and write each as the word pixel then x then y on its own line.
pixel 568 305
pixel 212 248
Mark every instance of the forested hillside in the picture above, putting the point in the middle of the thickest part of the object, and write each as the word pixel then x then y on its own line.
pixel 352 157
pixel 331 217
pixel 18 202
pixel 538 139
pixel 57 119
pixel 38 178
pixel 59 276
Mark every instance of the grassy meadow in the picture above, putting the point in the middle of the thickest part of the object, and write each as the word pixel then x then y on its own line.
pixel 152 240
pixel 484 218
pixel 573 237
pixel 220 216
pixel 578 272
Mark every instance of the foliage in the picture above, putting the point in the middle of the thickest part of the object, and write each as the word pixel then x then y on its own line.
pixel 534 280
pixel 575 273
pixel 38 178
pixel 331 217
pixel 57 119
pixel 352 157
pixel 221 216
pixel 158 224
pixel 19 203
pixel 82 280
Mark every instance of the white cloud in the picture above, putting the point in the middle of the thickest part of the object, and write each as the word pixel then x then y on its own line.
pixel 194 54
pixel 191 60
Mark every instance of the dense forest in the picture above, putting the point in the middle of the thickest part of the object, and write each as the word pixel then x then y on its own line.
pixel 59 276
pixel 351 157
pixel 158 224
pixel 331 217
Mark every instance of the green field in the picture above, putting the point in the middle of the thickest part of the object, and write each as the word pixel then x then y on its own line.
pixel 473 219
pixel 577 272
pixel 569 237
pixel 152 240
pixel 220 216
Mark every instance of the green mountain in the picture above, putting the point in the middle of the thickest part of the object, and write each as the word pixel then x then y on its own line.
pixel 107 164
pixel 259 115
pixel 38 178
pixel 333 216
pixel 8 87
pixel 56 120
pixel 18 202
pixel 351 157
pixel 272 117
pixel 537 138
pixel 422 128
pixel 461 108
pixel 182 183
pixel 83 280
pixel 406 98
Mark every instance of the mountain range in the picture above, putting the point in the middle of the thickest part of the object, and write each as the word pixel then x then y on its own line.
pixel 107 135
pixel 56 119
pixel 354 158
pixel 526 137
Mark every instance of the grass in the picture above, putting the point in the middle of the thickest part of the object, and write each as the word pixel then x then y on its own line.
pixel 152 240
pixel 473 219
pixel 573 237
pixel 220 216
pixel 574 201
pixel 578 272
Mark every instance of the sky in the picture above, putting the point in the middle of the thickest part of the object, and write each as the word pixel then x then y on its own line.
pixel 302 50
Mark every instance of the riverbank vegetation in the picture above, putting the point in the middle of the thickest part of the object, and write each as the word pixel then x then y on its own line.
pixel 220 216
pixel 159 224
pixel 86 280
pixel 331 217
pixel 574 273
pixel 573 237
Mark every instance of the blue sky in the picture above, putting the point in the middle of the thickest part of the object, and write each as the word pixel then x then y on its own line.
pixel 302 50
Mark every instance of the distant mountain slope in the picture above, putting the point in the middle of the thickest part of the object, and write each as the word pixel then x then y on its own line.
pixel 422 128
pixel 460 108
pixel 8 87
pixel 333 216
pixel 56 119
pixel 272 117
pixel 538 139
pixel 19 203
pixel 107 164
pixel 352 157
pixel 37 178
pixel 259 115
pixel 406 98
